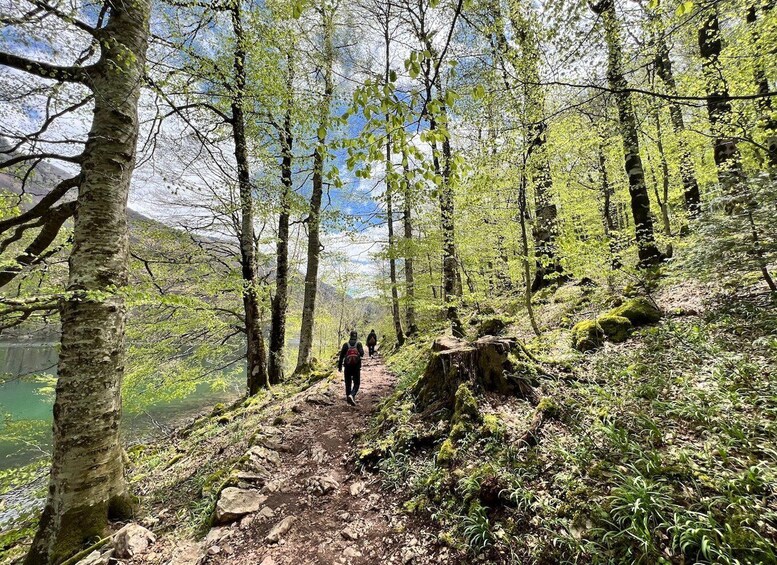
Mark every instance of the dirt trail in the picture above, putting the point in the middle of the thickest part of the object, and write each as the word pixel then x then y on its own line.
pixel 337 515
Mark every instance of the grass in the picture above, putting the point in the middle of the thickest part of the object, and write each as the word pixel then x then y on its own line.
pixel 663 449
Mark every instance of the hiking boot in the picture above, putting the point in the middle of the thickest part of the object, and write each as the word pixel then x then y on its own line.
pixel 350 400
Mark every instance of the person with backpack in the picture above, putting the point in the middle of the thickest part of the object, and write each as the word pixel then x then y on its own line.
pixel 372 342
pixel 351 354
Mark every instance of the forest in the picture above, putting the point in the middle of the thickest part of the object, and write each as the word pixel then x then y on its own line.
pixel 559 216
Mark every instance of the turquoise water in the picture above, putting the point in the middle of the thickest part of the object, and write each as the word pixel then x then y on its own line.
pixel 27 394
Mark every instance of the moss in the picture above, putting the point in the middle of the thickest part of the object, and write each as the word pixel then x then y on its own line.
pixel 615 328
pixel 459 430
pixel 491 326
pixel 587 335
pixel 465 406
pixel 218 409
pixel 492 426
pixel 639 311
pixel 447 453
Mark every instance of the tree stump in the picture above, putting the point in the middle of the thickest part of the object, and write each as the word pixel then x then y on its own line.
pixel 491 363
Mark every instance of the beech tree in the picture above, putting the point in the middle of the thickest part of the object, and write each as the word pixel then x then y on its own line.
pixel 87 484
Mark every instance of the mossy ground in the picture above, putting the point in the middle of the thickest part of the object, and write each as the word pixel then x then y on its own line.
pixel 662 449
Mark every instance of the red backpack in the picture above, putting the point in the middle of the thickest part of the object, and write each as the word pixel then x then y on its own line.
pixel 352 356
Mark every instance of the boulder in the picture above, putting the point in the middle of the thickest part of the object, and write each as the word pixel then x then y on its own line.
pixel 639 311
pixel 587 335
pixel 616 328
pixel 234 503
pixel 280 529
pixel 262 460
pixel 132 540
pixel 188 553
pixel 323 484
pixel 491 326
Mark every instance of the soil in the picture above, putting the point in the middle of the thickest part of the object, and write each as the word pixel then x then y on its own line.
pixel 320 442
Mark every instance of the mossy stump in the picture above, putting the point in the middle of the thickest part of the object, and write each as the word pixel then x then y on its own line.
pixel 490 363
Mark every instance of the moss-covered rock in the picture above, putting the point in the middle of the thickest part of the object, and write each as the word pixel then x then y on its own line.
pixel 447 453
pixel 639 311
pixel 491 326
pixel 615 328
pixel 587 335
pixel 465 407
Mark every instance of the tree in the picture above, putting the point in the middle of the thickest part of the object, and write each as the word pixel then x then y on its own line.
pixel 640 202
pixel 327 13
pixel 86 484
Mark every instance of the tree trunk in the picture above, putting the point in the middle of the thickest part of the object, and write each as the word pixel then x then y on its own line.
pixel 764 104
pixel 608 211
pixel 640 202
pixel 86 485
pixel 256 368
pixel 407 220
pixel 545 228
pixel 726 151
pixel 281 299
pixel 663 65
pixel 314 217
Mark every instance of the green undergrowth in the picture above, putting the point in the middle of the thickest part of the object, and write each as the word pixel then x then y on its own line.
pixel 177 478
pixel 662 449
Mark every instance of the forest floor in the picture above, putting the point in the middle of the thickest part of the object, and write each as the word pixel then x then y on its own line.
pixel 335 513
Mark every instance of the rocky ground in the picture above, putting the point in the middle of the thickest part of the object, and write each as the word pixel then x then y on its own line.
pixel 300 498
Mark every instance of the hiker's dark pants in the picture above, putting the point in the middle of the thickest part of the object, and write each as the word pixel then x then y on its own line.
pixel 352 380
pixel 372 350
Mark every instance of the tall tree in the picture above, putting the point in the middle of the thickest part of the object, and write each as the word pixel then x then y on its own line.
pixel 766 114
pixel 327 13
pixel 640 201
pixel 86 484
pixel 726 151
pixel 663 65
pixel 281 299
pixel 256 368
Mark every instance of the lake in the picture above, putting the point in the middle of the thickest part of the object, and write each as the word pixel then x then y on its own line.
pixel 26 397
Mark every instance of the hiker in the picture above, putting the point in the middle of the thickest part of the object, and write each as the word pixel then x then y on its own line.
pixel 372 341
pixel 351 354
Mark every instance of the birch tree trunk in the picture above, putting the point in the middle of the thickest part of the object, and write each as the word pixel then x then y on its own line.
pixel 407 222
pixel 314 217
pixel 86 484
pixel 640 202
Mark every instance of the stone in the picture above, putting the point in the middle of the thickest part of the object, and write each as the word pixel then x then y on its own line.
pixel 234 503
pixel 587 335
pixel 94 558
pixel 279 529
pixel 615 328
pixel 246 521
pixel 215 535
pixel 357 488
pixel 261 459
pixel 266 513
pixel 318 454
pixel 323 484
pixel 639 311
pixel 268 560
pixel 214 550
pixel 131 540
pixel 253 478
pixel 349 533
pixel 188 553
pixel 491 326
pixel 320 399
pixel 351 552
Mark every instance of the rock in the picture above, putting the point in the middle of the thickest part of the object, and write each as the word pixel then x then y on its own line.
pixel 587 335
pixel 351 552
pixel 131 540
pixel 261 459
pixel 234 503
pixel 491 326
pixel 349 533
pixel 268 561
pixel 320 399
pixel 279 529
pixel 214 550
pixel 246 521
pixel 639 311
pixel 357 488
pixel 323 484
pixel 215 535
pixel 188 553
pixel 266 513
pixel 616 328
pixel 94 558
pixel 254 478
pixel 318 454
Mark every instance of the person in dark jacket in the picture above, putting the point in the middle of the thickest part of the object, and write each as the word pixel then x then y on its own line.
pixel 372 342
pixel 351 354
